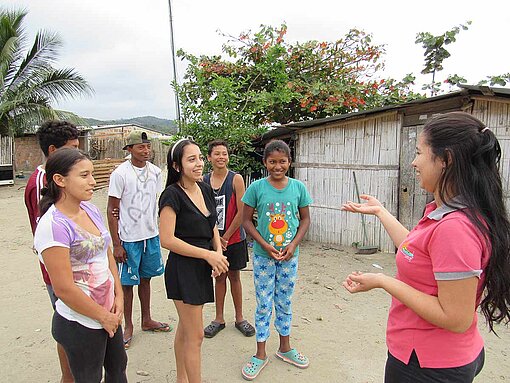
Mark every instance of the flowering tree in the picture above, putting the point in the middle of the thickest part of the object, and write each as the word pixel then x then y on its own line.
pixel 263 80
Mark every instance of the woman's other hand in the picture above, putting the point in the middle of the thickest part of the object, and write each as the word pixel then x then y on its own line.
pixel 358 282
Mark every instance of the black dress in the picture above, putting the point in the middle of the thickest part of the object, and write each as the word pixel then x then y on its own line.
pixel 186 278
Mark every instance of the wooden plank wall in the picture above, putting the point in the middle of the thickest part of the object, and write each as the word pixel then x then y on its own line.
pixel 6 150
pixel 103 169
pixel 110 146
pixel 325 160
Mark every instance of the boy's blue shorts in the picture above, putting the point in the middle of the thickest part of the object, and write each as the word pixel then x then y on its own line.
pixel 143 261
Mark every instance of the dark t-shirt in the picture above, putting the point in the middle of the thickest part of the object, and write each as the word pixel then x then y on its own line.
pixel 191 225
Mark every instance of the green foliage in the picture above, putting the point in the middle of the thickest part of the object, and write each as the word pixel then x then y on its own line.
pixel 435 53
pixel 264 80
pixel 28 82
pixel 501 80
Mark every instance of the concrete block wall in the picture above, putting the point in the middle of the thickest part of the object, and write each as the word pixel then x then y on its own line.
pixel 27 154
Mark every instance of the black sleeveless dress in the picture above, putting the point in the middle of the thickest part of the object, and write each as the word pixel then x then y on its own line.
pixel 186 278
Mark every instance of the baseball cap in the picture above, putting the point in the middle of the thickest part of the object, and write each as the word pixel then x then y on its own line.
pixel 136 137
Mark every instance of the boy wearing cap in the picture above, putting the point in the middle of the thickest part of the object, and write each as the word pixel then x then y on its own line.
pixel 133 191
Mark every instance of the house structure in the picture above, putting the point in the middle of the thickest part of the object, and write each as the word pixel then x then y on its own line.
pixel 100 142
pixel 107 141
pixel 379 145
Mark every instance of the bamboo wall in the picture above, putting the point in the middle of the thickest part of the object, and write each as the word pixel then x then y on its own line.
pixel 327 155
pixel 325 160
pixel 495 114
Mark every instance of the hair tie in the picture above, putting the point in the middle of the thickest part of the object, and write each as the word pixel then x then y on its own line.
pixel 484 129
pixel 175 145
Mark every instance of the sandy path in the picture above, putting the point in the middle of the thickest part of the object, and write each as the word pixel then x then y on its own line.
pixel 343 335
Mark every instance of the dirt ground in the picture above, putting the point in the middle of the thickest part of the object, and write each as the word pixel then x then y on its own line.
pixel 342 334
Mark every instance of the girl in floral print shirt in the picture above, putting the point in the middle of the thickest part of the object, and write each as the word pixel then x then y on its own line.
pixel 73 243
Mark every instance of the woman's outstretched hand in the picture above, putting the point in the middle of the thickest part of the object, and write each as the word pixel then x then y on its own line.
pixel 371 206
pixel 358 282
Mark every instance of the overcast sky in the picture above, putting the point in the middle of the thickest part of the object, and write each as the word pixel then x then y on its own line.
pixel 122 47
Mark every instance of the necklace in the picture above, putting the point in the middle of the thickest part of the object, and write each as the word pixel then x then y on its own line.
pixel 217 191
pixel 145 170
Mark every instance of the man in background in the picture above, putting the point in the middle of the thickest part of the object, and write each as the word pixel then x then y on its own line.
pixel 133 220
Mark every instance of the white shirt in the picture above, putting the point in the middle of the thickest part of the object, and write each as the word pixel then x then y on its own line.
pixel 137 189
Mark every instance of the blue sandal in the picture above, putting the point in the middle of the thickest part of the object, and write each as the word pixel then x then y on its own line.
pixel 252 369
pixel 293 357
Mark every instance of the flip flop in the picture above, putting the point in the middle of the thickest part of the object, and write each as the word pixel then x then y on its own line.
pixel 163 327
pixel 246 328
pixel 127 343
pixel 213 328
pixel 252 369
pixel 293 357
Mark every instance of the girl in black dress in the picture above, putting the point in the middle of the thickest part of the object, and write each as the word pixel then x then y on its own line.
pixel 188 229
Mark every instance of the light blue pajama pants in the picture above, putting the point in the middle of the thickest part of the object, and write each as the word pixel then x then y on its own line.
pixel 274 284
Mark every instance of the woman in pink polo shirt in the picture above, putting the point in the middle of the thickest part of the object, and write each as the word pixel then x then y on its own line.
pixel 455 259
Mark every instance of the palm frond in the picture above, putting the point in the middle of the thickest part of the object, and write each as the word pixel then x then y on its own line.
pixel 53 84
pixel 26 114
pixel 12 40
pixel 70 116
pixel 28 82
pixel 43 53
pixel 62 84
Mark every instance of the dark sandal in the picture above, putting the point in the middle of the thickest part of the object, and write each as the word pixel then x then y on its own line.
pixel 213 328
pixel 246 328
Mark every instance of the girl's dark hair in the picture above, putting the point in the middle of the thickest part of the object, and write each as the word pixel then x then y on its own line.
pixel 59 162
pixel 175 155
pixel 472 153
pixel 276 146
pixel 211 145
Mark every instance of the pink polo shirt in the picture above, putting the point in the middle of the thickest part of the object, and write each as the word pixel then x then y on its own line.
pixel 445 245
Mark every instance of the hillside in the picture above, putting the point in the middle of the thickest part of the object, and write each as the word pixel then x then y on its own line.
pixel 160 124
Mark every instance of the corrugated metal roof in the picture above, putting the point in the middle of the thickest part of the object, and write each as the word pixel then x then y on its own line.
pixel 465 90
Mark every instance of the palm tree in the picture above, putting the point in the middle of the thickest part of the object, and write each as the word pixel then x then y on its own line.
pixel 29 83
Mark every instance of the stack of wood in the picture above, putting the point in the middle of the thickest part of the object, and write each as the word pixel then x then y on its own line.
pixel 103 169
